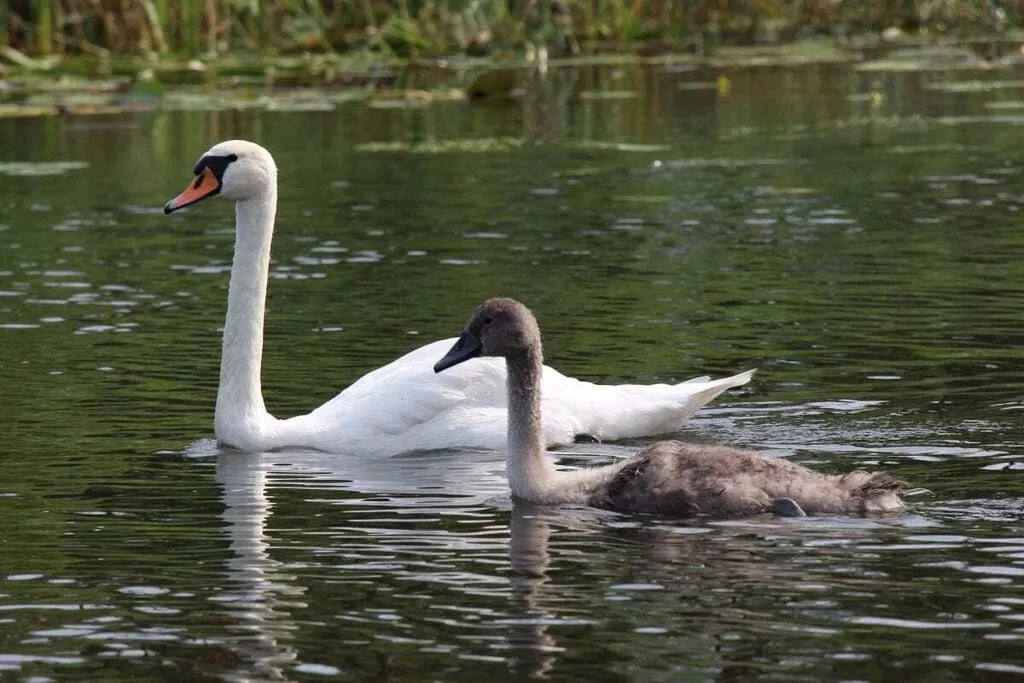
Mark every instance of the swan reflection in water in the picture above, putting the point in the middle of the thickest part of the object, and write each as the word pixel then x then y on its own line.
pixel 261 596
pixel 265 599
pixel 563 560
pixel 533 650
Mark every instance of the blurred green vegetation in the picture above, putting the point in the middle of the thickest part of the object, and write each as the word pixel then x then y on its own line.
pixel 410 28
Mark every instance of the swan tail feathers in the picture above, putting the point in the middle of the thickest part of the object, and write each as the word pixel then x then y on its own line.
pixel 628 411
pixel 708 390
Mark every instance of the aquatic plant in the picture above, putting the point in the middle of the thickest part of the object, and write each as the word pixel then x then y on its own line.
pixel 417 27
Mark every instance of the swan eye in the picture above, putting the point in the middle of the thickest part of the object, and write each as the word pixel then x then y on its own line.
pixel 487 320
pixel 215 164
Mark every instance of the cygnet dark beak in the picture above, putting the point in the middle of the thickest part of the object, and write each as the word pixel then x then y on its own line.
pixel 468 346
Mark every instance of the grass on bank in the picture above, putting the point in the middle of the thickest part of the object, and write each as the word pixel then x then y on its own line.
pixel 410 28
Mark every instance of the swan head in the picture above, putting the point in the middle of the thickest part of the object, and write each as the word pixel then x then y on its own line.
pixel 499 327
pixel 236 169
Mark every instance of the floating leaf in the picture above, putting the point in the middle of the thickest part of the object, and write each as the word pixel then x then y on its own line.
pixel 40 168
pixel 974 86
pixel 607 94
pixel 698 85
pixel 404 99
pixel 623 146
pixel 475 145
pixel 18 110
pixel 931 149
pixel 384 147
pixel 700 162
pixel 800 52
pixel 311 105
pixel 1006 104
pixel 791 191
pixel 396 104
pixel 641 198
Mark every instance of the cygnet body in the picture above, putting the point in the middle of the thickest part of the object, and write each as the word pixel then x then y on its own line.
pixel 668 477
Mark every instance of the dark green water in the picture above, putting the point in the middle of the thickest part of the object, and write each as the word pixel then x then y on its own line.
pixel 857 236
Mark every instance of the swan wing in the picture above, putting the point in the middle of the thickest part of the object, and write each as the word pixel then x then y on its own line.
pixel 405 406
pixel 627 411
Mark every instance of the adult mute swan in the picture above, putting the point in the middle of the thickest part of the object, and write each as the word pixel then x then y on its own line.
pixel 402 406
pixel 668 477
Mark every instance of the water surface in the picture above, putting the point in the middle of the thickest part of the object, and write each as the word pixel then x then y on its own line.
pixel 856 235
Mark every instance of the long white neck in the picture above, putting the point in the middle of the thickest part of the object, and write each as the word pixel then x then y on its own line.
pixel 531 476
pixel 241 415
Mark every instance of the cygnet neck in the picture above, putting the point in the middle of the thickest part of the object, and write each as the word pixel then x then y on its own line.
pixel 240 409
pixel 530 475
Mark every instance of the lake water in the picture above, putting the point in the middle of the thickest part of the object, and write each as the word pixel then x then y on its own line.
pixel 856 235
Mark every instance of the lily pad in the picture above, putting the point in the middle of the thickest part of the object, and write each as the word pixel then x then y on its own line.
pixel 800 52
pixel 396 104
pixel 1005 104
pixel 698 85
pixel 925 58
pixel 703 162
pixel 1003 119
pixel 641 198
pixel 623 146
pixel 40 168
pixel 19 111
pixel 607 94
pixel 474 145
pixel 931 149
pixel 299 106
pixel 791 191
pixel 405 99
pixel 974 86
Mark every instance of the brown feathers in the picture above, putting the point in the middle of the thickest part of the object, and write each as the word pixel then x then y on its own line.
pixel 680 479
pixel 666 478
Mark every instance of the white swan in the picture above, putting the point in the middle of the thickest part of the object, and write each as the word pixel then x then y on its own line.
pixel 668 477
pixel 402 406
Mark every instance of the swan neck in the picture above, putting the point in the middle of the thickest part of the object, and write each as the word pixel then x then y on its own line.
pixel 530 474
pixel 240 404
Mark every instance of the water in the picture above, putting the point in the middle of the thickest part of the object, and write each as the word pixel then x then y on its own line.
pixel 856 235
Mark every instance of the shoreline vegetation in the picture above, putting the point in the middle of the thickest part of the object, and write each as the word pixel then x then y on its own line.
pixel 436 28
pixel 131 49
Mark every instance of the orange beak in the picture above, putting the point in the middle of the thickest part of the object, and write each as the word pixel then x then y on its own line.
pixel 205 185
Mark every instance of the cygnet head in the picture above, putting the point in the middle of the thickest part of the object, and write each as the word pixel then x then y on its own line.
pixel 236 169
pixel 499 327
